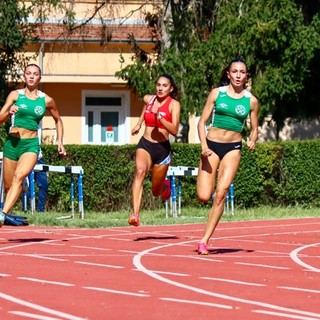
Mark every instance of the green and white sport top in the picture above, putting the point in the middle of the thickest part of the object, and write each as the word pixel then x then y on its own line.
pixel 230 113
pixel 30 112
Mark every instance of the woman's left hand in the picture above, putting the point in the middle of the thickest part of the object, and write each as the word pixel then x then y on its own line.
pixel 61 150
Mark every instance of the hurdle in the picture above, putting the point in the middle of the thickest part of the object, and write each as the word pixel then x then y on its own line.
pixel 174 175
pixel 72 170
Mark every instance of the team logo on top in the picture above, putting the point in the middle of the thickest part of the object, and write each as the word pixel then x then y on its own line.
pixel 38 110
pixel 240 110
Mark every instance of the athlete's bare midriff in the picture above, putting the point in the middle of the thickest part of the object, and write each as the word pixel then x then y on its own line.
pixel 23 133
pixel 222 135
pixel 156 134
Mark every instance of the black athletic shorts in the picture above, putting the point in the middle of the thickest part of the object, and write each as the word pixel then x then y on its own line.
pixel 221 148
pixel 160 152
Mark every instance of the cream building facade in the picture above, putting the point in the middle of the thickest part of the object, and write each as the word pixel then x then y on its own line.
pixel 78 71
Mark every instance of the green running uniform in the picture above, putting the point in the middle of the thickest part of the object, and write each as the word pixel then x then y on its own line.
pixel 229 113
pixel 30 112
pixel 28 116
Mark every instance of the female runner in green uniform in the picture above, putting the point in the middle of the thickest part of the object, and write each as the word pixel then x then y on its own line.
pixel 228 106
pixel 26 107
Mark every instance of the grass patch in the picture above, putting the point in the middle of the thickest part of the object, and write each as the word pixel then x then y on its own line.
pixel 158 217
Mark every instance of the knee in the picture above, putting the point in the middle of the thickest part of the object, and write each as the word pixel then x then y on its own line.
pixel 140 173
pixel 18 178
pixel 220 196
pixel 203 198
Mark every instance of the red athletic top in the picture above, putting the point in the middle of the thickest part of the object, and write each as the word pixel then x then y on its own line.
pixel 150 119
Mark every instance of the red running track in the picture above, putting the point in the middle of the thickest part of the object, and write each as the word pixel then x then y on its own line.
pixel 255 270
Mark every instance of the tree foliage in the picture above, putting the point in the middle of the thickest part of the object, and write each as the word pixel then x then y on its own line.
pixel 280 40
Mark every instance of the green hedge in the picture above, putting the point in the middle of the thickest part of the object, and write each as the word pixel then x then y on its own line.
pixel 277 173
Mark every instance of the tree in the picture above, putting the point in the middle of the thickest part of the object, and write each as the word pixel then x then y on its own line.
pixel 277 40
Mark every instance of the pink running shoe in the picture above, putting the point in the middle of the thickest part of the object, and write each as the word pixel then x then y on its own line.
pixel 202 249
pixel 134 220
pixel 166 195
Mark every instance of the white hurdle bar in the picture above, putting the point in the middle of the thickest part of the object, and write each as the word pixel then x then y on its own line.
pixel 176 190
pixel 72 170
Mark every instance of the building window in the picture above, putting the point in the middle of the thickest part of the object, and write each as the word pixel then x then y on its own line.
pixel 106 117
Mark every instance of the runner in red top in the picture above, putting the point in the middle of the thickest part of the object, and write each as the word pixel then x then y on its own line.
pixel 161 115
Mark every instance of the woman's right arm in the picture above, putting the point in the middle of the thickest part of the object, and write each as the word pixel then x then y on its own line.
pixel 206 113
pixel 8 108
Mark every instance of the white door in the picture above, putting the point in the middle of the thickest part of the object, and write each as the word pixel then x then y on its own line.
pixel 105 117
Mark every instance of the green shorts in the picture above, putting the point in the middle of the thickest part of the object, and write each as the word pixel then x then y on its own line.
pixel 15 147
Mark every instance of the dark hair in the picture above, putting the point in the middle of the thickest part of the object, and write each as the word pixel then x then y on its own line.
pixel 175 92
pixel 33 65
pixel 224 80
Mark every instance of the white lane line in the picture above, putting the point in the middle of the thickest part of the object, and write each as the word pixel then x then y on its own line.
pixel 3 275
pixel 42 257
pixel 166 272
pixel 245 240
pixel 151 254
pixel 281 254
pixel 118 292
pixel 288 244
pixel 296 259
pixel 271 234
pixel 99 265
pixel 32 315
pixel 295 232
pixel 47 281
pixel 138 264
pixel 270 226
pixel 262 265
pixel 234 281
pixel 128 251
pixel 197 257
pixel 299 289
pixel 209 304
pixel 50 241
pixel 91 248
pixel 120 239
pixel 161 242
pixel 285 315
pixel 66 255
pixel 39 308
